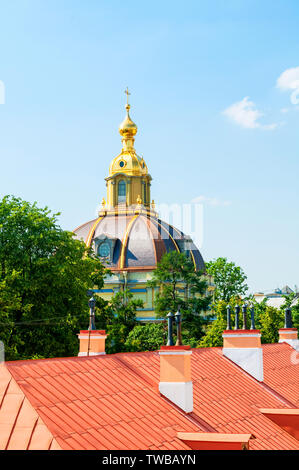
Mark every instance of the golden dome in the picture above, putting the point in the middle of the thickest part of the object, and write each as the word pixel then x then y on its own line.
pixel 127 128
pixel 128 162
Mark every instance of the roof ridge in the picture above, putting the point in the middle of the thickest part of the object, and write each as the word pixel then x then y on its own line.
pixel 124 241
pixel 278 395
pixel 76 358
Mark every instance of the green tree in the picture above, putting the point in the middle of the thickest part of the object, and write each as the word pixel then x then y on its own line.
pixel 268 320
pixel 213 335
pixel 229 279
pixel 44 278
pixel 292 301
pixel 181 287
pixel 148 337
pixel 120 319
pixel 295 314
pixel 289 299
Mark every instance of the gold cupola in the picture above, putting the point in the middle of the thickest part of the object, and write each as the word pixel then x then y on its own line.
pixel 127 128
pixel 128 178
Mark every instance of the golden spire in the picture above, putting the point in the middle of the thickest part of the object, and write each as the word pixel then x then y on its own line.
pixel 128 128
pixel 128 182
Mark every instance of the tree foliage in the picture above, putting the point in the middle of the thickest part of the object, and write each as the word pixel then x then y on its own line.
pixel 181 287
pixel 44 278
pixel 229 279
pixel 292 301
pixel 213 335
pixel 289 299
pixel 295 314
pixel 118 317
pixel 268 320
pixel 148 337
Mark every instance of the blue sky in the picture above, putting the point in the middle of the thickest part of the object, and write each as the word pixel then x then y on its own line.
pixel 217 119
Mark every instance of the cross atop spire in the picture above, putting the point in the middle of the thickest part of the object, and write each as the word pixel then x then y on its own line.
pixel 127 93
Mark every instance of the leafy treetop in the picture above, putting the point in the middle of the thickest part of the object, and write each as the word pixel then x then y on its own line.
pixel 229 279
pixel 44 278
pixel 181 287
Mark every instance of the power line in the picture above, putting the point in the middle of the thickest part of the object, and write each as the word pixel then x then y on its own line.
pixel 40 321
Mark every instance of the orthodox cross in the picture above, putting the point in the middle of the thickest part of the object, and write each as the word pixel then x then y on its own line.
pixel 127 93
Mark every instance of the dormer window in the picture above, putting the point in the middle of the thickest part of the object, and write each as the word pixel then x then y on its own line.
pixel 104 250
pixel 104 247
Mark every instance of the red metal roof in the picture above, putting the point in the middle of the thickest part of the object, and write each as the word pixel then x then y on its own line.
pixel 226 399
pixel 281 370
pixel 98 403
pixel 112 402
pixel 20 425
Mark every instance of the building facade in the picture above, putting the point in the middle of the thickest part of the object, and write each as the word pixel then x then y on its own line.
pixel 277 298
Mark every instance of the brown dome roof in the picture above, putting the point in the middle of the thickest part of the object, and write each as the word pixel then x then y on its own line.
pixel 136 241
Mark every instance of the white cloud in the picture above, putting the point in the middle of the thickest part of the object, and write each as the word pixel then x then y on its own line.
pixel 245 114
pixel 211 201
pixel 289 81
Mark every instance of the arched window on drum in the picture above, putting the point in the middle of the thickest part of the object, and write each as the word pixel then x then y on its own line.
pixel 122 192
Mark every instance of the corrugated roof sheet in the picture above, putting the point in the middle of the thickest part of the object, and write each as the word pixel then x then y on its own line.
pixel 20 425
pixel 281 370
pixel 113 402
pixel 226 399
pixel 99 403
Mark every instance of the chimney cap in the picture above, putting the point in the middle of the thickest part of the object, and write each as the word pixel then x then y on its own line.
pixel 241 332
pixel 92 302
pixel 175 348
pixel 93 332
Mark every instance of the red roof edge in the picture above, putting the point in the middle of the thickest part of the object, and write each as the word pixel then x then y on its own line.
pixel 287 419
pixel 215 440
